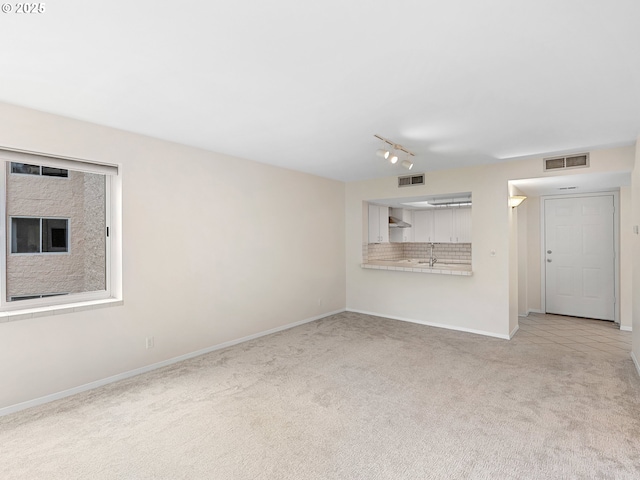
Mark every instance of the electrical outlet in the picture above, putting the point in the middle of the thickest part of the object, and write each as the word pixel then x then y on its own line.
pixel 149 342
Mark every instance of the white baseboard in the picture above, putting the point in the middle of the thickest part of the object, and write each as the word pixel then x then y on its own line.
pixel 433 324
pixel 139 371
pixel 513 332
pixel 530 311
pixel 626 329
pixel 635 360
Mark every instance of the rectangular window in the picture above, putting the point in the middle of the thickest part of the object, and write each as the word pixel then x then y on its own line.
pixel 25 169
pixel 59 234
pixel 28 169
pixel 55 235
pixel 54 172
pixel 25 235
pixel 39 235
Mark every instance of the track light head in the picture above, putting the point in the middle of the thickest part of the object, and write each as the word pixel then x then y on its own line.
pixel 393 159
pixel 383 152
pixel 407 164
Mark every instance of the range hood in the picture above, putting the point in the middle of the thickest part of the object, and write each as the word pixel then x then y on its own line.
pixel 397 223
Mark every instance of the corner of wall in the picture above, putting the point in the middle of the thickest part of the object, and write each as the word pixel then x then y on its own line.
pixel 635 252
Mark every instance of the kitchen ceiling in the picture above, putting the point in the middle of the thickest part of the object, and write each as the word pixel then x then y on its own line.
pixel 422 202
pixel 306 85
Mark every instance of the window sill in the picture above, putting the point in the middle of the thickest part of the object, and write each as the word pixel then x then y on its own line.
pixel 24 314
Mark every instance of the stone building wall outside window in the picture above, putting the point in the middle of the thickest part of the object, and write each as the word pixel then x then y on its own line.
pixel 80 198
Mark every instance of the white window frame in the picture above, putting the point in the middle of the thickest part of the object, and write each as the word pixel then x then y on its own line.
pixel 112 295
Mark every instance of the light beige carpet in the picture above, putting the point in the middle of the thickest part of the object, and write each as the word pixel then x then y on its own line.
pixel 347 397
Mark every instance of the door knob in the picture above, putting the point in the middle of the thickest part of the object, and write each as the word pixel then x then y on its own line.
pixel 549 260
pixel 548 251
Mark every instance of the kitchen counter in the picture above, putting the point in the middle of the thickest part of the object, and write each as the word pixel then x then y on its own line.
pixel 442 267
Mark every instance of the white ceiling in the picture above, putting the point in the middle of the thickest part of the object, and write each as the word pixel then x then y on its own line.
pixel 306 85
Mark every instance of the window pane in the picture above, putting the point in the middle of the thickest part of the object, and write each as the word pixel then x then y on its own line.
pixel 25 168
pixel 31 297
pixel 54 235
pixel 25 297
pixel 25 235
pixel 54 172
pixel 72 257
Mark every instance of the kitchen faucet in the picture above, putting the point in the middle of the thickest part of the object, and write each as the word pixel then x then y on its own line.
pixel 432 259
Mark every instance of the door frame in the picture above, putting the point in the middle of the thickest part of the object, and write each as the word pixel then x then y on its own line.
pixel 616 246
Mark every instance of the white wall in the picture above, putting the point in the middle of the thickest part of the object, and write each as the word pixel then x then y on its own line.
pixel 485 302
pixel 522 215
pixel 626 258
pixel 534 299
pixel 523 300
pixel 635 195
pixel 215 248
pixel 514 281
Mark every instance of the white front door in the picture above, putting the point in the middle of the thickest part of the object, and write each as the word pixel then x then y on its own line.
pixel 580 256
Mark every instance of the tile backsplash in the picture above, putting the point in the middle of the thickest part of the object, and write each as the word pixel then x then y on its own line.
pixel 453 252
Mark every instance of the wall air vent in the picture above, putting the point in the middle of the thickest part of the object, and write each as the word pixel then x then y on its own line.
pixel 411 180
pixel 577 161
pixel 553 163
pixel 580 160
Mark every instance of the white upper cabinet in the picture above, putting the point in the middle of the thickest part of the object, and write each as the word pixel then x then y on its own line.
pixel 423 226
pixel 462 223
pixel 443 225
pixel 436 225
pixel 378 224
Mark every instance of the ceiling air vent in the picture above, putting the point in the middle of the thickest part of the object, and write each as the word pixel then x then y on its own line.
pixel 411 180
pixel 574 161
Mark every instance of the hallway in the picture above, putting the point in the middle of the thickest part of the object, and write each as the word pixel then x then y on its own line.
pixel 568 334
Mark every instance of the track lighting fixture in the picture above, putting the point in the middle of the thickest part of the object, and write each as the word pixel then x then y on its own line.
pixel 390 152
